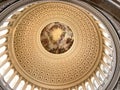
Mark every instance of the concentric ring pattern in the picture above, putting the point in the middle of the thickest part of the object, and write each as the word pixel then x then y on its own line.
pixel 86 65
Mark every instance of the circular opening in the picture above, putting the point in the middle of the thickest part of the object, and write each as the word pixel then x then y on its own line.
pixel 57 38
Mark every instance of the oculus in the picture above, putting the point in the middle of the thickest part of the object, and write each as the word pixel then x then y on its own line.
pixel 57 38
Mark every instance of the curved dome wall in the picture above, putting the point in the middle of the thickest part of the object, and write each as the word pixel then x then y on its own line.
pixel 57 45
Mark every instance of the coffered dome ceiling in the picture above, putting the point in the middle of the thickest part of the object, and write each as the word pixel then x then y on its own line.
pixel 57 45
